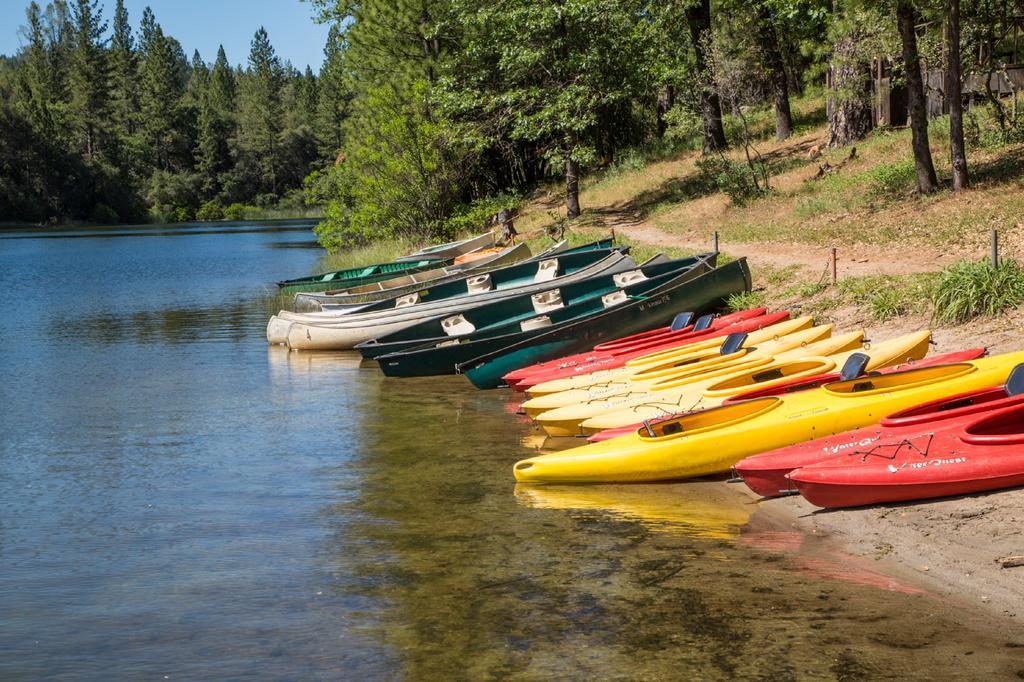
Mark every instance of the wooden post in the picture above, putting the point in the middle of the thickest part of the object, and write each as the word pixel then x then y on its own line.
pixel 714 242
pixel 833 266
pixel 994 247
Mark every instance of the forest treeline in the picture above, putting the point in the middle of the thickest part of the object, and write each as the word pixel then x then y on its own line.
pixel 459 106
pixel 429 115
pixel 104 120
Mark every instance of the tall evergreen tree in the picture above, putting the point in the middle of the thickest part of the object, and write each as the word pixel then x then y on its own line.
pixel 162 90
pixel 89 77
pixel 125 76
pixel 259 113
pixel 214 127
pixel 333 96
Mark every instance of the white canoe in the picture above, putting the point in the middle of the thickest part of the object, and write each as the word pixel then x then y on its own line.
pixel 302 332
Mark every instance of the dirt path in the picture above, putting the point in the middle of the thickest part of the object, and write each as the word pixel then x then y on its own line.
pixel 852 260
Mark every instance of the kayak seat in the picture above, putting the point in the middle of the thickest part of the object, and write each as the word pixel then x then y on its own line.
pixel 768 375
pixel 1015 382
pixel 732 343
pixel 854 366
pixel 862 386
pixel 681 320
pixel 703 322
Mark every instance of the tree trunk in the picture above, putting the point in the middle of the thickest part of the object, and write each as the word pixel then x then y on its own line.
pixel 851 117
pixel 572 188
pixel 958 154
pixel 776 67
pixel 666 100
pixel 698 17
pixel 905 18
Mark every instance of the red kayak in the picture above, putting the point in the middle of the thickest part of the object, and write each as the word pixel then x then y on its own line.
pixel 699 324
pixel 593 361
pixel 984 454
pixel 681 329
pixel 765 473
pixel 803 384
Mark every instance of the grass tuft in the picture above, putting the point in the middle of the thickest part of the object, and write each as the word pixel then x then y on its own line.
pixel 744 301
pixel 970 289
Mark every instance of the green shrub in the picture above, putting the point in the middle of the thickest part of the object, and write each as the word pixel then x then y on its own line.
pixel 211 210
pixel 888 179
pixel 969 289
pixel 235 211
pixel 181 214
pixel 473 217
pixel 104 215
pixel 736 180
pixel 982 129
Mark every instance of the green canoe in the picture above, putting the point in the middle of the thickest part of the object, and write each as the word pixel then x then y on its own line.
pixel 353 277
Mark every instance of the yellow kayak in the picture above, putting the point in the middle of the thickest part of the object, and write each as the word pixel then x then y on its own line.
pixel 902 349
pixel 675 357
pixel 711 441
pixel 703 363
pixel 683 394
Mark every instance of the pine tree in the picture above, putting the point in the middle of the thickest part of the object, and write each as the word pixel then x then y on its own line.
pixel 333 97
pixel 260 114
pixel 89 77
pixel 125 73
pixel 162 90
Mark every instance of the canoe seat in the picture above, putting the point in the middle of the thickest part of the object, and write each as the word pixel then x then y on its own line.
pixel 624 279
pixel 457 325
pixel 407 300
pixel 681 320
pixel 615 298
pixel 547 270
pixel 547 300
pixel 475 285
pixel 535 323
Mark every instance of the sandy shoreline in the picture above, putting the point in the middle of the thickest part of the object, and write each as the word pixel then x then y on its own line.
pixel 949 547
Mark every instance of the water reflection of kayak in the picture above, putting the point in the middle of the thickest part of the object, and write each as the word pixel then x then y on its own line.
pixel 699 509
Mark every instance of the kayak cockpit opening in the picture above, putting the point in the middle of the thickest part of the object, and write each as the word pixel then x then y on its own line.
pixel 897 381
pixel 703 420
pixel 1005 427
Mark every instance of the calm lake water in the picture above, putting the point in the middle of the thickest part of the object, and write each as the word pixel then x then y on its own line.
pixel 179 501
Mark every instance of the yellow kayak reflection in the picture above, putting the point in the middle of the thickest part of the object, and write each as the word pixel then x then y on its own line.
pixel 704 509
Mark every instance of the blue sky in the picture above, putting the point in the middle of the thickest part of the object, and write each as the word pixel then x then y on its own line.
pixel 204 24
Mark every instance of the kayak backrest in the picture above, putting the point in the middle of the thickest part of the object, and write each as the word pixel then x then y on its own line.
pixel 854 366
pixel 732 343
pixel 703 322
pixel 1015 382
pixel 682 320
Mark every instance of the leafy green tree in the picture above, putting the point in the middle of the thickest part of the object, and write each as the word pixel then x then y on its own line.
pixel 550 84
